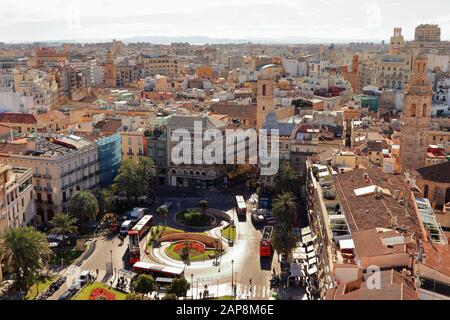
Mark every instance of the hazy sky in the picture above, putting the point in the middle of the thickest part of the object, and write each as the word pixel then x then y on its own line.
pixel 37 20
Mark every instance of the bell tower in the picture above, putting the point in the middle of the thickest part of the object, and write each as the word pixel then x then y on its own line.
pixel 265 102
pixel 110 71
pixel 416 118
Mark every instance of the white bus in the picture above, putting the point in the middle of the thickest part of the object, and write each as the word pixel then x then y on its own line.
pixel 241 207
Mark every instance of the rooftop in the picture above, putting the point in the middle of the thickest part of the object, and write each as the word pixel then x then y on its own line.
pixel 391 208
pixel 394 286
pixel 439 173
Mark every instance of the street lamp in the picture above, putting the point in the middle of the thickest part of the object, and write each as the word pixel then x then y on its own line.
pixel 232 279
pixel 192 286
pixel 111 261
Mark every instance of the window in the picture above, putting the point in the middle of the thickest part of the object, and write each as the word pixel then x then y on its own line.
pixel 425 191
pixel 413 110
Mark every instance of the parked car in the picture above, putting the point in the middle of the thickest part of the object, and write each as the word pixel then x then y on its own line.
pixel 124 228
pixel 84 278
pixel 68 294
pixel 258 219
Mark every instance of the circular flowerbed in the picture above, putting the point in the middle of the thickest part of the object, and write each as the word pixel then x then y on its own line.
pixel 102 294
pixel 196 251
pixel 194 219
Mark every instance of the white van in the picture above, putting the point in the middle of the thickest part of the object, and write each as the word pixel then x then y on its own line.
pixel 125 227
pixel 137 213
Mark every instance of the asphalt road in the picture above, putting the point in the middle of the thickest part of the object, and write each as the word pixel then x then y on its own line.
pixel 245 253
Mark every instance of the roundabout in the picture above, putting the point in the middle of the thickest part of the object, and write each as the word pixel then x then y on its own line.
pixel 194 239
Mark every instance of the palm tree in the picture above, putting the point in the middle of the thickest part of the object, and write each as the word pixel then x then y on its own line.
pixel 203 206
pixel 84 206
pixel 163 212
pixel 63 224
pixel 26 252
pixel 283 239
pixel 104 200
pixel 287 180
pixel 285 208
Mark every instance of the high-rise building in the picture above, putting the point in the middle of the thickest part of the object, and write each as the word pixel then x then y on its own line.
pixel 428 33
pixel 416 118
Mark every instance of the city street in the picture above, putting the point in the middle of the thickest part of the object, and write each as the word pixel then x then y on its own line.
pixel 240 264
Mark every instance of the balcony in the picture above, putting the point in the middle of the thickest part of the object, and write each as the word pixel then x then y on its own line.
pixel 47 176
pixel 38 188
pixel 36 175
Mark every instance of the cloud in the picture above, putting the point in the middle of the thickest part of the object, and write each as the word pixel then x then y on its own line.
pixel 30 20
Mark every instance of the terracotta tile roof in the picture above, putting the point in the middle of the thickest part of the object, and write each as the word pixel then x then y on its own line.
pixel 437 257
pixel 439 173
pixel 393 286
pixel 369 211
pixel 369 243
pixel 4 130
pixel 110 125
pixel 50 115
pixel 15 148
pixel 25 118
pixel 235 111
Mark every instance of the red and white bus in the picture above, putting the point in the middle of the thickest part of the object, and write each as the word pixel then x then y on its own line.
pixel 241 207
pixel 265 248
pixel 135 235
pixel 156 270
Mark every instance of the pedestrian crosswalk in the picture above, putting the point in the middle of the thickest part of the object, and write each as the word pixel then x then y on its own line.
pixel 253 291
pixel 250 292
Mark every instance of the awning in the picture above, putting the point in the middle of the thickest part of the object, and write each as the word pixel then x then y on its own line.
pixel 312 261
pixel 308 238
pixel 306 230
pixel 346 244
pixel 312 271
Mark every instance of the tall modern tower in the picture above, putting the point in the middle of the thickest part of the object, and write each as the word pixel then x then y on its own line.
pixel 416 118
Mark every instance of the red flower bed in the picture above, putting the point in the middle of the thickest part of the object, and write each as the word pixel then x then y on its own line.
pixel 102 294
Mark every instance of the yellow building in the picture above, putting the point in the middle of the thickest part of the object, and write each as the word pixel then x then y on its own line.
pixel 134 144
pixel 51 121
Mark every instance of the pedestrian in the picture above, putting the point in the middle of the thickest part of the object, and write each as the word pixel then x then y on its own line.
pixel 96 273
pixel 250 281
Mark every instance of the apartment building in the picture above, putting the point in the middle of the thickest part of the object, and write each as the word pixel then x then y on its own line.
pixel 362 217
pixel 134 143
pixel 51 121
pixel 16 197
pixel 153 65
pixel 61 165
pixel 192 175
pixel 17 207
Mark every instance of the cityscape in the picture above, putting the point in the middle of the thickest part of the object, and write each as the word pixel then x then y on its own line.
pixel 211 166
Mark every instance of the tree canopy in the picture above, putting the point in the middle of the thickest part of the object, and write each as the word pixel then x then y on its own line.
pixel 25 252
